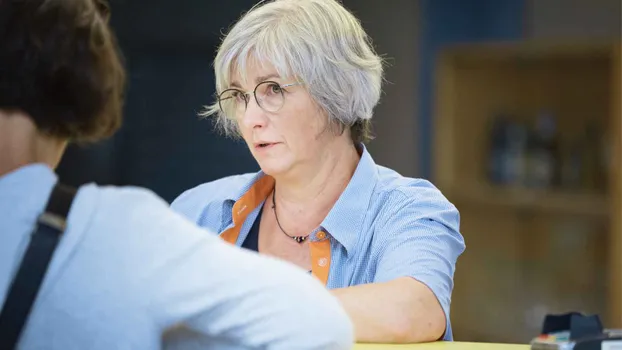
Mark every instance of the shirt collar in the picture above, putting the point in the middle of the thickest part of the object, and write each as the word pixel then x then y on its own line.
pixel 236 196
pixel 27 187
pixel 345 220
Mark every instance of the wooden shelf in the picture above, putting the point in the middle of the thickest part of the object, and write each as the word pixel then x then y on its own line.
pixel 531 200
pixel 531 250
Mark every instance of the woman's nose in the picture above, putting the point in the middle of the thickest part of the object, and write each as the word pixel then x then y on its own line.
pixel 254 116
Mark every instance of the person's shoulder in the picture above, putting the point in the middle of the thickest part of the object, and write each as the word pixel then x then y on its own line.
pixel 414 205
pixel 126 201
pixel 134 209
pixel 408 202
pixel 193 202
pixel 409 191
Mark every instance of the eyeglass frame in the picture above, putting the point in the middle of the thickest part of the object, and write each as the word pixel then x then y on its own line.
pixel 254 92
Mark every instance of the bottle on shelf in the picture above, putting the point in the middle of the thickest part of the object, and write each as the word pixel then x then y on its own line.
pixel 594 172
pixel 507 146
pixel 571 164
pixel 543 153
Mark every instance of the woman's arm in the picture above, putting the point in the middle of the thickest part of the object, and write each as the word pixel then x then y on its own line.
pixel 400 311
pixel 419 242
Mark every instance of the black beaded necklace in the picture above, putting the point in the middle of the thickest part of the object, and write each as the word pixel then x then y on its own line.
pixel 298 239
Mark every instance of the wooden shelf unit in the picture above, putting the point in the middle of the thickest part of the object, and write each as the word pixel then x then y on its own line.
pixel 529 251
pixel 536 201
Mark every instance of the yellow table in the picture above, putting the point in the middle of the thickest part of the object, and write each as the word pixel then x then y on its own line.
pixel 442 346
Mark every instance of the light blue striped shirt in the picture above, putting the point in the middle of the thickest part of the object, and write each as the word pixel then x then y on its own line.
pixel 128 268
pixel 383 226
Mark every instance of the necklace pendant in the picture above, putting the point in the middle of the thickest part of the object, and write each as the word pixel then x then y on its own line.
pixel 299 239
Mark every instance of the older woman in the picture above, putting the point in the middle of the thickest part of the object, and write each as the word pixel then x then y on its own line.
pixel 298 80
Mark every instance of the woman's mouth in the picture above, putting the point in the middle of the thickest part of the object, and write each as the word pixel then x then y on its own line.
pixel 265 145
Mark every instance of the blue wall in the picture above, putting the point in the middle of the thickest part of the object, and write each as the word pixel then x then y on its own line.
pixel 163 145
pixel 446 22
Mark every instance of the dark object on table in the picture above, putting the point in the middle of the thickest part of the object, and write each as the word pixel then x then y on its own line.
pixel 577 332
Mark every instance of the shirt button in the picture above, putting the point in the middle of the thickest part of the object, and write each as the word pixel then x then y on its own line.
pixel 322 262
pixel 321 235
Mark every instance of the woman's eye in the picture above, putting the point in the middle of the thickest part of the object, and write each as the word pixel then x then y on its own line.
pixel 239 97
pixel 275 89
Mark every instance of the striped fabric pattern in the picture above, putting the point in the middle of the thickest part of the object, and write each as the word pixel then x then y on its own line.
pixel 383 226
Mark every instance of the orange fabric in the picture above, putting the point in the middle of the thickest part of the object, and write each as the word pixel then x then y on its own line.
pixel 320 259
pixel 249 201
pixel 320 250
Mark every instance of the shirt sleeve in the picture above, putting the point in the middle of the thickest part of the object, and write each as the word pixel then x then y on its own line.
pixel 221 292
pixel 421 239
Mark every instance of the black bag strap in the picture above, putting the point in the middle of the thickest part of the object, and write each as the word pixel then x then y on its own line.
pixel 27 281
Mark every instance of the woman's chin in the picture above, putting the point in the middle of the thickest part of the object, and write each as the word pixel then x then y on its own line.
pixel 274 167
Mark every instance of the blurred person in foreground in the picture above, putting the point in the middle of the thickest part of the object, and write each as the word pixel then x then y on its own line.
pixel 126 269
pixel 298 80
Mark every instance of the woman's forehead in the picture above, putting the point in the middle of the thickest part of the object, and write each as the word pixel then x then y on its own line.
pixel 252 71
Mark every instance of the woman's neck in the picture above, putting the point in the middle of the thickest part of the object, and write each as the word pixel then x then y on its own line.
pixel 22 144
pixel 304 201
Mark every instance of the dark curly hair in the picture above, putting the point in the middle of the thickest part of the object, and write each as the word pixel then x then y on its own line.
pixel 60 64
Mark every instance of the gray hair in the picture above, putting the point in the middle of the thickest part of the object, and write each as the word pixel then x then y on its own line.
pixel 317 41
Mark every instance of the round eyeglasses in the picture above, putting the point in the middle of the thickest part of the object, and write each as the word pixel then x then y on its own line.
pixel 269 96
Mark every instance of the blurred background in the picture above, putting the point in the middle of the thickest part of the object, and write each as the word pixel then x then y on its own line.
pixel 511 107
